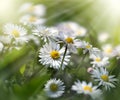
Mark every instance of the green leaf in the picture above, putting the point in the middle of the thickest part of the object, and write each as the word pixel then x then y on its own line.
pixel 22 69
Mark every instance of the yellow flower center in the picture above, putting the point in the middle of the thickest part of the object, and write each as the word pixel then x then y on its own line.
pixel 87 88
pixel 98 59
pixel 105 78
pixel 109 50
pixel 55 54
pixel 53 87
pixel 88 46
pixel 32 19
pixel 69 40
pixel 15 33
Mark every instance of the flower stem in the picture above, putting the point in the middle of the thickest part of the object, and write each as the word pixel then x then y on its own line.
pixel 63 57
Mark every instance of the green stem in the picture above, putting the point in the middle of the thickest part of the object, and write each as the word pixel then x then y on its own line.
pixel 82 59
pixel 63 56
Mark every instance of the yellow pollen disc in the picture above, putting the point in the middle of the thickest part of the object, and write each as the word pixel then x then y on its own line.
pixel 55 54
pixel 98 59
pixel 15 33
pixel 109 50
pixel 30 9
pixel 32 19
pixel 88 46
pixel 53 87
pixel 69 40
pixel 87 88
pixel 105 78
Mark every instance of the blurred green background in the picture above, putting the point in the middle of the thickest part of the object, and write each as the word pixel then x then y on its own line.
pixel 94 15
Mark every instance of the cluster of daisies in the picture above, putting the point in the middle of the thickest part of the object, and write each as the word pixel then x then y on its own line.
pixel 32 14
pixel 58 44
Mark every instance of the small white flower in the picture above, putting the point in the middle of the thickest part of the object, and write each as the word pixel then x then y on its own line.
pixel 72 27
pixel 70 40
pixel 102 76
pixel 44 32
pixel 16 32
pixel 54 88
pixel 108 50
pixel 31 20
pixel 88 89
pixel 103 37
pixel 99 60
pixel 1 47
pixel 85 45
pixel 51 55
pixel 37 10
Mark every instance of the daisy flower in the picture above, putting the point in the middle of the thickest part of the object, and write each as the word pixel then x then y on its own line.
pixel 51 55
pixel 102 76
pixel 87 89
pixel 14 31
pixel 31 20
pixel 99 60
pixel 54 88
pixel 72 27
pixel 85 45
pixel 44 33
pixel 37 10
pixel 69 39
pixel 108 50
pixel 103 37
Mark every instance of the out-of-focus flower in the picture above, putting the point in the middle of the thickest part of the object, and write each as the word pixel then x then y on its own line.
pixel 102 76
pixel 84 88
pixel 108 50
pixel 37 10
pixel 85 45
pixel 31 20
pixel 103 37
pixel 54 88
pixel 44 32
pixel 51 55
pixel 16 32
pixel 99 60
pixel 72 27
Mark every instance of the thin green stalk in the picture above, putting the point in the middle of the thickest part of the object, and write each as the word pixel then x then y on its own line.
pixel 63 57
